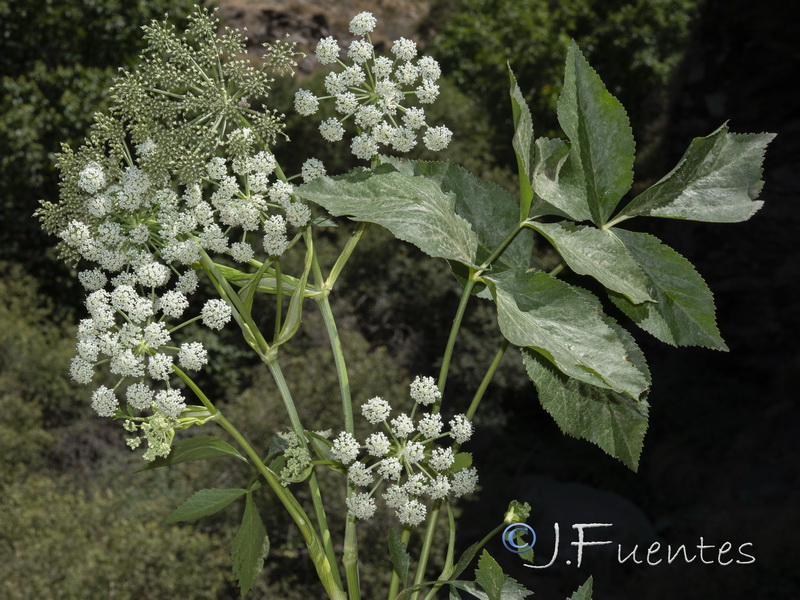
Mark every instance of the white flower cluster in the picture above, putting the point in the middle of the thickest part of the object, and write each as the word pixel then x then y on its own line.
pixel 406 458
pixel 143 240
pixel 372 91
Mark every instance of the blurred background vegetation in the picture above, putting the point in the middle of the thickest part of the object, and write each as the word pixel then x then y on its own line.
pixel 76 522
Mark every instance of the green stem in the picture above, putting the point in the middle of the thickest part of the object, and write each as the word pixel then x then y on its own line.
pixel 279 300
pixel 322 521
pixel 394 584
pixel 319 557
pixel 476 400
pixel 350 556
pixel 286 396
pixel 427 542
pixel 451 340
pixel 450 557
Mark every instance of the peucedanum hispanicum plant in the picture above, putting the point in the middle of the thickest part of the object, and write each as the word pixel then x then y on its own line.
pixel 179 184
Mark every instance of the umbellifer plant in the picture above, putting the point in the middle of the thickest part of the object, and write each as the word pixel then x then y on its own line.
pixel 178 183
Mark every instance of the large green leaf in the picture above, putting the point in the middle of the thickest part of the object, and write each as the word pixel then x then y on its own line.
pixel 683 314
pixel 599 169
pixel 599 254
pixel 551 317
pixel 584 592
pixel 205 502
pixel 489 209
pixel 195 448
pixel 717 180
pixel 614 421
pixel 250 547
pixel 414 209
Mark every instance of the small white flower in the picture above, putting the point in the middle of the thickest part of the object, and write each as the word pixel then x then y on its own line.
pixel 173 303
pixel 263 162
pixel 427 92
pixel 334 84
pixel 216 313
pixel 92 179
pixel 402 426
pixel 298 214
pixel 429 68
pixel 395 496
pixel 424 390
pixel 364 147
pixel 353 76
pixel 170 403
pixel 281 192
pixel 414 452
pixel 327 50
pixel 460 429
pixel 406 74
pixel 80 370
pixel 363 23
pixel 187 283
pixel 160 366
pixel 382 67
pixel 464 482
pixel 126 364
pixel 442 458
pixel 412 513
pixel 312 169
pixel 416 484
pixel 99 206
pixel 156 335
pixel 331 129
pixel 216 168
pixel 152 274
pixel 439 487
pixel 404 139
pixel 192 356
pixel 360 51
pixel 404 49
pixel 368 116
pixel 275 241
pixel 376 410
pixel 241 252
pixel 361 506
pixel 346 103
pixel 93 280
pixel 345 448
pixel 104 402
pixel 359 475
pixel 305 102
pixel 390 469
pixel 414 118
pixel 437 138
pixel 378 444
pixel 430 425
pixel 139 396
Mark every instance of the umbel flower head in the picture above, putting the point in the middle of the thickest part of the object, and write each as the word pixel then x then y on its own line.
pixel 180 172
pixel 377 94
pixel 405 457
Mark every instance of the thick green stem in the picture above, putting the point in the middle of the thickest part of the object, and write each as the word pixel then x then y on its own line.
pixel 286 396
pixel 451 544
pixel 350 556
